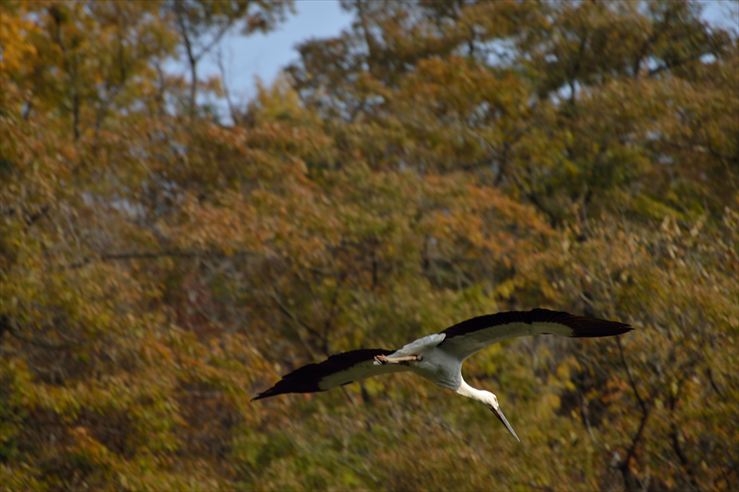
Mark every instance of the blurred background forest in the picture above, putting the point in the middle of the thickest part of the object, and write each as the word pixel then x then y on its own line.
pixel 160 262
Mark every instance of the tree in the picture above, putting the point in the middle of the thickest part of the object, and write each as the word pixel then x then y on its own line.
pixel 438 160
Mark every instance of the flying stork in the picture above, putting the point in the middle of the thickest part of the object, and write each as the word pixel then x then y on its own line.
pixel 439 356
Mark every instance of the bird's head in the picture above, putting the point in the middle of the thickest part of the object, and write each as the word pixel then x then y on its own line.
pixel 491 401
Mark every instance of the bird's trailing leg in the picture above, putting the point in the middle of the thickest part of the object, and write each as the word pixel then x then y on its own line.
pixel 384 359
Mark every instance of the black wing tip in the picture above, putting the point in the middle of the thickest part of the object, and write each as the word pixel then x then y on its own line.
pixel 582 326
pixel 612 329
pixel 290 384
pixel 266 394
pixel 591 327
pixel 284 387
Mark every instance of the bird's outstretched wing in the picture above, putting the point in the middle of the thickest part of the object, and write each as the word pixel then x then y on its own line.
pixel 337 370
pixel 467 337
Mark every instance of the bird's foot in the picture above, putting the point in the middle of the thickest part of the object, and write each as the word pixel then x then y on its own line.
pixel 384 359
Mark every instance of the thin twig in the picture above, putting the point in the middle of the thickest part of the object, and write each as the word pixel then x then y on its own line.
pixel 624 466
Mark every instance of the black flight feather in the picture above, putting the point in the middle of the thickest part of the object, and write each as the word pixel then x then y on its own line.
pixel 580 325
pixel 306 379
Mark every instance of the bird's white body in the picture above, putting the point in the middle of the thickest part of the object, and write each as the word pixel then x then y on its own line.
pixel 435 364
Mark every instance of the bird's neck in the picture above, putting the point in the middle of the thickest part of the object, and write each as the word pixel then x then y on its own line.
pixel 470 392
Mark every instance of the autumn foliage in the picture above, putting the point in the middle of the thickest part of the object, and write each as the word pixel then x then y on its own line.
pixel 161 261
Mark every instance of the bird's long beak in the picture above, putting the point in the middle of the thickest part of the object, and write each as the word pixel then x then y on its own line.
pixel 499 413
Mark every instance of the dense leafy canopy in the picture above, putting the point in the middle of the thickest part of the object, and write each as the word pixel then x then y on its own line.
pixel 160 264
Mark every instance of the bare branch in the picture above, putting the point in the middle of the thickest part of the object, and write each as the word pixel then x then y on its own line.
pixel 287 312
pixel 625 465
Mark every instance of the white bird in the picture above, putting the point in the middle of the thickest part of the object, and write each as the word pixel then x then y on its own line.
pixel 439 357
